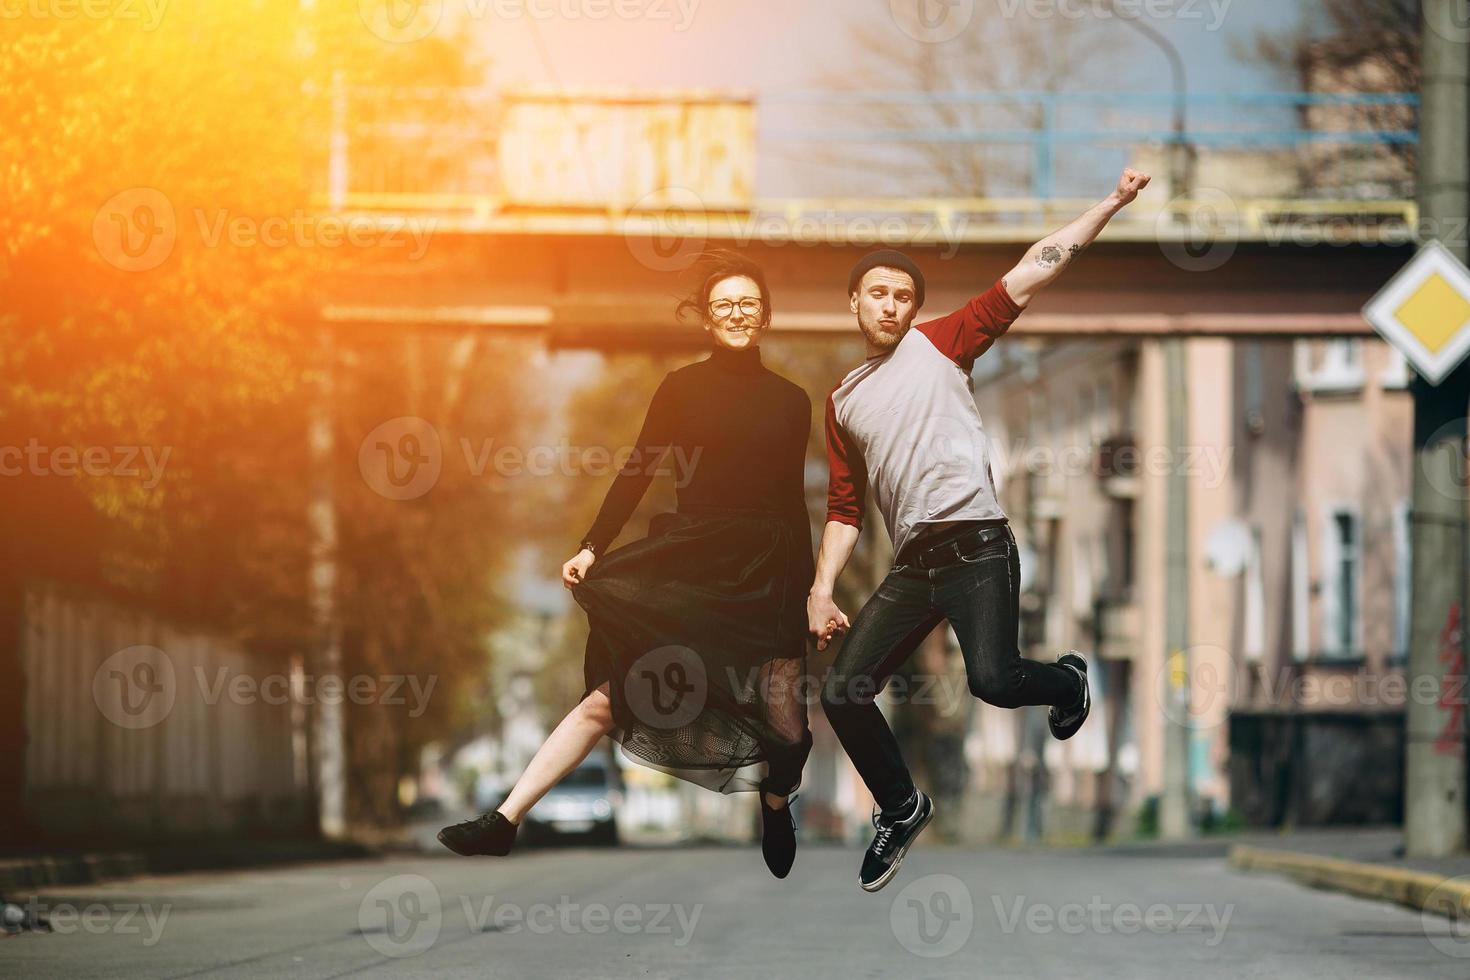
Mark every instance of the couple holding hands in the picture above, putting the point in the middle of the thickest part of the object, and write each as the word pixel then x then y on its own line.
pixel 699 632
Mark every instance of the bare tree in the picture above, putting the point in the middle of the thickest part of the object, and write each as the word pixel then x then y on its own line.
pixel 1353 46
pixel 994 56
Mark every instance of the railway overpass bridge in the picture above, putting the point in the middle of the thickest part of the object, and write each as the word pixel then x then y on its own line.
pixel 568 216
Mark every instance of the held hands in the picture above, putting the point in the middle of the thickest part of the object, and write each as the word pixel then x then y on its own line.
pixel 575 571
pixel 1129 185
pixel 824 620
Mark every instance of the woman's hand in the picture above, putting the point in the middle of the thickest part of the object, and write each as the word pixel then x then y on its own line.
pixel 824 620
pixel 575 571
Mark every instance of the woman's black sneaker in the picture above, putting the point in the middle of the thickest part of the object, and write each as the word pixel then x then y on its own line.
pixel 488 834
pixel 891 843
pixel 1065 722
pixel 778 836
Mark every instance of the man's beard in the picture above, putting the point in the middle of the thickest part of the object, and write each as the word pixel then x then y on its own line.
pixel 880 336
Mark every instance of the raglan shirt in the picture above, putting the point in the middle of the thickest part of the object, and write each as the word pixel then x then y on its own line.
pixel 904 426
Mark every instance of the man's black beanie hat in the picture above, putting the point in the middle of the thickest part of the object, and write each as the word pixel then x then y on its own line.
pixel 889 259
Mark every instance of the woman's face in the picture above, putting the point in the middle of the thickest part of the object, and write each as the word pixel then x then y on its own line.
pixel 735 315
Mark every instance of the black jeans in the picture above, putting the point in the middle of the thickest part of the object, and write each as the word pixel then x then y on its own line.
pixel 979 593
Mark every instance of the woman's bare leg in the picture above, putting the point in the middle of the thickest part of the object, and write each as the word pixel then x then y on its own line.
pixel 572 741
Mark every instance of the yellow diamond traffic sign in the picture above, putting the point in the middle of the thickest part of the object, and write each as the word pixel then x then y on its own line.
pixel 1424 312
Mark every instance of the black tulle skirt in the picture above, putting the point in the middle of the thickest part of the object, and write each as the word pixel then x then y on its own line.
pixel 699 632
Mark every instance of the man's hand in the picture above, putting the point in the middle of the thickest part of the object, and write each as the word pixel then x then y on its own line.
pixel 1050 257
pixel 575 570
pixel 1129 185
pixel 823 619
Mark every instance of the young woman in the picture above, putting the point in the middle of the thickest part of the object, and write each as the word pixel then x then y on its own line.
pixel 698 632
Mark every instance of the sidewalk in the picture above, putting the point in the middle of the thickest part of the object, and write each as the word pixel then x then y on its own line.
pixel 1367 863
pixel 22 872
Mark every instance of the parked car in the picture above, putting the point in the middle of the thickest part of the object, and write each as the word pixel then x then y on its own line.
pixel 584 804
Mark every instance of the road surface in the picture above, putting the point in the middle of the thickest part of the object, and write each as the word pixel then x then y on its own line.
pixel 715 913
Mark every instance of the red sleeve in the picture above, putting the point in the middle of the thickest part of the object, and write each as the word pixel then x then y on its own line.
pixel 847 482
pixel 969 332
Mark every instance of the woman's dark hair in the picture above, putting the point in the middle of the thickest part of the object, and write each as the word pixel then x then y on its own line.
pixel 712 267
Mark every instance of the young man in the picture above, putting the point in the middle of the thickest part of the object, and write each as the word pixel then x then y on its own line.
pixel 904 425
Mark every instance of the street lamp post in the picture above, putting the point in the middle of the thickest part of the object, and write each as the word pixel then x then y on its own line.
pixel 1175 810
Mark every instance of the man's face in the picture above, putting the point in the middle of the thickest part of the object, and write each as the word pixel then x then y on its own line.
pixel 885 304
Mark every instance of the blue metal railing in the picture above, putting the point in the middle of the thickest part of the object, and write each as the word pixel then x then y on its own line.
pixel 1250 121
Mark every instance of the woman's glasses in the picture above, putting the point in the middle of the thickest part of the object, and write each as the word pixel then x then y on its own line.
pixel 722 308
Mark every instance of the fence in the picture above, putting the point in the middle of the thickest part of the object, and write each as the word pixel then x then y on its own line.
pixel 136 728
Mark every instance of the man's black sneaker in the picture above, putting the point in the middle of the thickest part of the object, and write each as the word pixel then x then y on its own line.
pixel 489 834
pixel 1065 722
pixel 891 843
pixel 778 837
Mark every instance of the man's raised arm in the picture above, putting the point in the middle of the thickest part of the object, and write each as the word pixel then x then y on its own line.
pixel 1049 257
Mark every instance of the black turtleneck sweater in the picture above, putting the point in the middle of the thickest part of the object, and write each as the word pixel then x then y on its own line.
pixel 738 432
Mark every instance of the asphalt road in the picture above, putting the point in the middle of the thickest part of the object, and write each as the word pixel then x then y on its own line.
pixel 716 913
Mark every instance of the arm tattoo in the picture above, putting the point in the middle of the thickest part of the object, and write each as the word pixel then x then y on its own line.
pixel 1077 250
pixel 1050 257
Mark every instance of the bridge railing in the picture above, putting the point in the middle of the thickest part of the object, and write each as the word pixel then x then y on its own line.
pixel 970 164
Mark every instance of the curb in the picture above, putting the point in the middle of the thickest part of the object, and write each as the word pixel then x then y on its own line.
pixel 1418 890
pixel 26 874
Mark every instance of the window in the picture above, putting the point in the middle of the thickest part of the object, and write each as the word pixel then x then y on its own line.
pixel 1403 579
pixel 1255 601
pixel 1301 633
pixel 1330 366
pixel 1341 569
